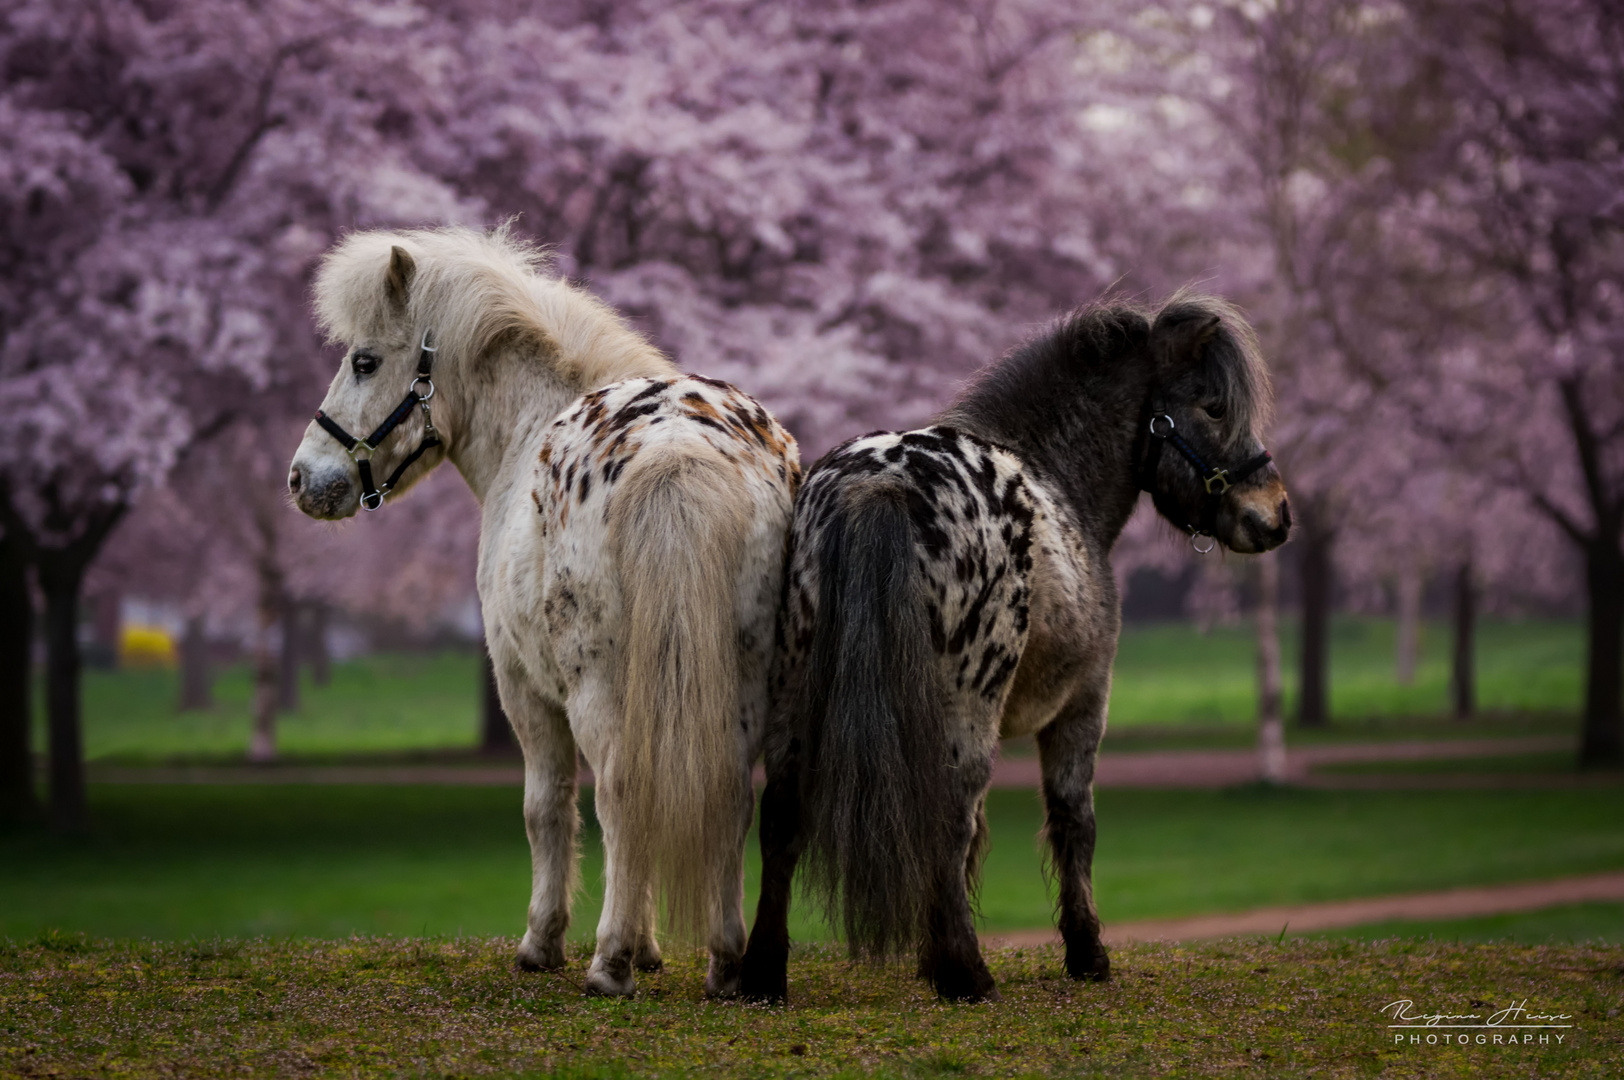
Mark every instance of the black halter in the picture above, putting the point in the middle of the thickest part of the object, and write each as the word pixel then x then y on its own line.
pixel 1216 480
pixel 372 496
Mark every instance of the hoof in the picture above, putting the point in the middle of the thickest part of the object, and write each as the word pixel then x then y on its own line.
pixel 965 982
pixel 648 958
pixel 536 955
pixel 968 992
pixel 601 983
pixel 763 982
pixel 1090 963
pixel 723 978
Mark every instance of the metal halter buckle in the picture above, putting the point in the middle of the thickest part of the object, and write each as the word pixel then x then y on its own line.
pixel 1219 477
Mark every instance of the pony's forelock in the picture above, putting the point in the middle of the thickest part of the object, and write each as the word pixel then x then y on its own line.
pixel 1233 362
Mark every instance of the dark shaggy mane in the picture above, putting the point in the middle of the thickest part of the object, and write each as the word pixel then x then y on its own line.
pixel 1044 375
pixel 1046 370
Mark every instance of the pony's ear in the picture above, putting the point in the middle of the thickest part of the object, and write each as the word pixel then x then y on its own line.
pixel 398 282
pixel 1180 339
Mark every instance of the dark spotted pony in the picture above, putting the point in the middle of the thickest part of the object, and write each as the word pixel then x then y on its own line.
pixel 952 586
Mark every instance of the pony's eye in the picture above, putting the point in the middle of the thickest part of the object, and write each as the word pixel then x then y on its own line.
pixel 364 363
pixel 1214 410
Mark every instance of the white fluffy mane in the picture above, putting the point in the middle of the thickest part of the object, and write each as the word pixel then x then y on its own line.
pixel 472 288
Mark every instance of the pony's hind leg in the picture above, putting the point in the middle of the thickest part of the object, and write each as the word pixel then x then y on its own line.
pixel 647 957
pixel 1067 749
pixel 627 890
pixel 551 821
pixel 765 969
pixel 950 954
pixel 727 903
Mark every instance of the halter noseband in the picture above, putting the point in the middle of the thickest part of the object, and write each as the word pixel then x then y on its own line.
pixel 1215 479
pixel 371 495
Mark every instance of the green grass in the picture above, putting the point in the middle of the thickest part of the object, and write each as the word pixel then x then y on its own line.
pixel 1567 924
pixel 1170 673
pixel 326 861
pixel 370 1007
pixel 379 703
pixel 1173 686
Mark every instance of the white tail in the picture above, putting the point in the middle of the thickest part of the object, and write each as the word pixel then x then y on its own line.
pixel 677 526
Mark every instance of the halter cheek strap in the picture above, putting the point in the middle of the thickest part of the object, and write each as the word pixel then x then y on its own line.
pixel 372 494
pixel 1215 479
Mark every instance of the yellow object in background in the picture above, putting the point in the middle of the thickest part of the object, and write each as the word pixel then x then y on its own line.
pixel 146 646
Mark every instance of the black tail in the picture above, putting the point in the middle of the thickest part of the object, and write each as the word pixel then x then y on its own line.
pixel 877 791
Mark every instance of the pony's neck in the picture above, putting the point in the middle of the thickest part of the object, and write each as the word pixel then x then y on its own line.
pixel 1076 425
pixel 513 391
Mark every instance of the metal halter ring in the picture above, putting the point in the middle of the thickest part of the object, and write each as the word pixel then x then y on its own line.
pixel 1195 542
pixel 1161 434
pixel 423 379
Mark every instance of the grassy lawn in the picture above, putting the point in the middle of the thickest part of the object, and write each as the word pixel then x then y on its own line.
pixel 1598 923
pixel 1173 687
pixel 174 862
pixel 455 1007
pixel 1170 674
pixel 383 702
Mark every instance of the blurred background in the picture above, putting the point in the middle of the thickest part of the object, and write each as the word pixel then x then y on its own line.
pixel 217 716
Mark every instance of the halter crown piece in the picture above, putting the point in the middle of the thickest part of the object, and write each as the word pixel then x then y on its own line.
pixel 1216 480
pixel 371 494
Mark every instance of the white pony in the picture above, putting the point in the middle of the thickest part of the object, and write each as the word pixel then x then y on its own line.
pixel 630 559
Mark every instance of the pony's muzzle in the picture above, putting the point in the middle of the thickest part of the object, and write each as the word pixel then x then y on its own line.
pixel 1264 527
pixel 324 494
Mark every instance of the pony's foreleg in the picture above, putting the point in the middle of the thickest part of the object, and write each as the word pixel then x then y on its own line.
pixel 950 953
pixel 1067 749
pixel 551 820
pixel 764 972
pixel 727 897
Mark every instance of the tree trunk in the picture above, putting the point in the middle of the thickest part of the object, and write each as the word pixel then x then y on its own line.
pixel 1463 681
pixel 1408 646
pixel 316 654
pixel 495 733
pixel 17 801
pixel 1603 724
pixel 267 664
pixel 60 577
pixel 196 680
pixel 287 673
pixel 1314 686
pixel 1271 739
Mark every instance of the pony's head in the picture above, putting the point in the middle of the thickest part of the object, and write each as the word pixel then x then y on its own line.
pixel 1204 462
pixel 364 301
pixel 420 312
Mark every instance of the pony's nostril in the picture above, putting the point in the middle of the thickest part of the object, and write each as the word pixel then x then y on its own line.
pixel 1285 514
pixel 295 480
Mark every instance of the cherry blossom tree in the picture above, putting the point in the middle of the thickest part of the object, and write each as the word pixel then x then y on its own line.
pixel 164 166
pixel 1524 189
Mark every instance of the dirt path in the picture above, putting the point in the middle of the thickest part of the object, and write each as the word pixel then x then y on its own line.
pixel 1301 918
pixel 1224 768
pixel 1142 769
